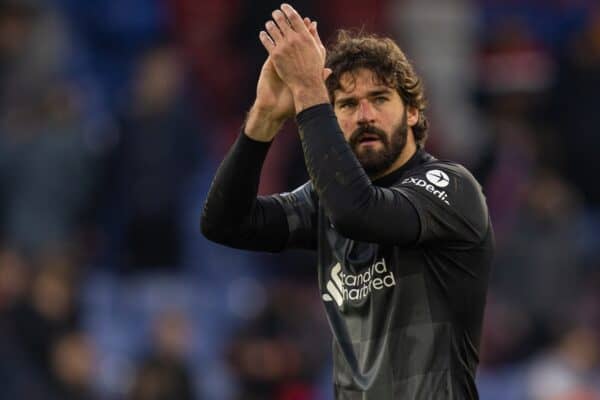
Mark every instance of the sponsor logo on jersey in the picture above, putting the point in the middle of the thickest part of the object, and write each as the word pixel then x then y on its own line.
pixel 437 178
pixel 342 286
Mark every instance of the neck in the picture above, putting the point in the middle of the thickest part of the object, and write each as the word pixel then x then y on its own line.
pixel 409 150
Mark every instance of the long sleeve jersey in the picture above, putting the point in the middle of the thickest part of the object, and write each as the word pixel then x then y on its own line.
pixel 403 261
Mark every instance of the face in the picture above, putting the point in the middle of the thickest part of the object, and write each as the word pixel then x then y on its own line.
pixel 374 121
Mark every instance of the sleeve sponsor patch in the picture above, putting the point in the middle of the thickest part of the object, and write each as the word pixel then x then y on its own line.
pixel 434 182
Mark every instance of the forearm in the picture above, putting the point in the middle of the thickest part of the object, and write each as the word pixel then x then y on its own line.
pixel 357 208
pixel 337 176
pixel 232 214
pixel 309 95
pixel 260 125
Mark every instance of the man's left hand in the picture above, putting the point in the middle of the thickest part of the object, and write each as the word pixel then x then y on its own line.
pixel 297 57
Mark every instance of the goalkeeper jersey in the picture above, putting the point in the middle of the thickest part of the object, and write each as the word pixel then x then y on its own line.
pixel 403 261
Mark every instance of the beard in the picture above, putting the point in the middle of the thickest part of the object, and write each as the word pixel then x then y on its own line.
pixel 375 161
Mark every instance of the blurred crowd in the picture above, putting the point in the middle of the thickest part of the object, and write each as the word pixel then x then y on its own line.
pixel 114 116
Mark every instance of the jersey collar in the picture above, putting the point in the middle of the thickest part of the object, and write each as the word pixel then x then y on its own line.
pixel 420 157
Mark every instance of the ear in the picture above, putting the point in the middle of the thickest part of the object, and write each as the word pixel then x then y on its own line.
pixel 412 116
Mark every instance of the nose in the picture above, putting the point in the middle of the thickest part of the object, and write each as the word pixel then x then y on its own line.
pixel 365 113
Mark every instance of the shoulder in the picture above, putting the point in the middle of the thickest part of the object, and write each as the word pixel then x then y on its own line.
pixel 442 178
pixel 444 190
pixel 439 171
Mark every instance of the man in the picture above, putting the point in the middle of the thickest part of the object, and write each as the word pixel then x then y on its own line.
pixel 404 240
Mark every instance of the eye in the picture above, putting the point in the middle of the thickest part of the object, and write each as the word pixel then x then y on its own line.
pixel 347 105
pixel 380 99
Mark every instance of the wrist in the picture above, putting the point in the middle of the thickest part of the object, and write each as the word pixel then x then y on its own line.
pixel 261 125
pixel 306 96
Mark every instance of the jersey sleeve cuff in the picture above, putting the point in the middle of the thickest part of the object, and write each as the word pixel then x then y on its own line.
pixel 252 146
pixel 316 111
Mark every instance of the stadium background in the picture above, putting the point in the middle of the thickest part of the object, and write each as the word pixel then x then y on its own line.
pixel 114 115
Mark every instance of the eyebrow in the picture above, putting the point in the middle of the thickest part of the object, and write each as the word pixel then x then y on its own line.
pixel 373 93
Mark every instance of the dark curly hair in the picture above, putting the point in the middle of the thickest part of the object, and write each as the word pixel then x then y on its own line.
pixel 382 56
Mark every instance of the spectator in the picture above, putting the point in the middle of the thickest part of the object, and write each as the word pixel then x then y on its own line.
pixel 283 341
pixel 157 154
pixel 568 371
pixel 164 373
pixel 73 366
pixel 579 84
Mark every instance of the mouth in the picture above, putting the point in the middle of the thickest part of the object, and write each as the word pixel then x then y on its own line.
pixel 368 138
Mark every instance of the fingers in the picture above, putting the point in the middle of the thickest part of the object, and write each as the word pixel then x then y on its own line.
pixel 312 29
pixel 274 31
pixel 286 21
pixel 294 18
pixel 266 41
pixel 282 22
pixel 315 34
pixel 307 22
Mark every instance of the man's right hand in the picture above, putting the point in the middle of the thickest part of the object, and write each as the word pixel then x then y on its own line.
pixel 274 103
